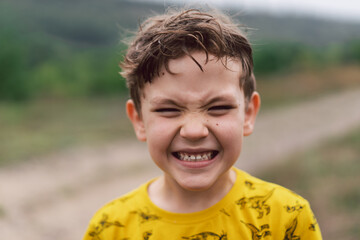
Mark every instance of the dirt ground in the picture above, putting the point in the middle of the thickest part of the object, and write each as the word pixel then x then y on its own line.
pixel 54 197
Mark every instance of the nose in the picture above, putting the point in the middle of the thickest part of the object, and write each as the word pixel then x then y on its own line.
pixel 194 128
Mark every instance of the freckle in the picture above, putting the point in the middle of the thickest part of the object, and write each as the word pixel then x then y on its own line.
pixel 217 124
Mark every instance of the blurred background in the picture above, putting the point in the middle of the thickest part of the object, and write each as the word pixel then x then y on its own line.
pixel 62 106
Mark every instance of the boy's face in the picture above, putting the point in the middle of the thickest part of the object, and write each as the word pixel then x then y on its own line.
pixel 194 121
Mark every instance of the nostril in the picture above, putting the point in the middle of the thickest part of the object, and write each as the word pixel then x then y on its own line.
pixel 194 131
pixel 194 127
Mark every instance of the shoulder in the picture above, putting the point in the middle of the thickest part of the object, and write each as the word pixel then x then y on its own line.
pixel 110 220
pixel 269 194
pixel 121 216
pixel 253 184
pixel 122 202
pixel 117 210
pixel 280 209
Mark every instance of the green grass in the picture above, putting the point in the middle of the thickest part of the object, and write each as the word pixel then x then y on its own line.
pixel 34 129
pixel 328 176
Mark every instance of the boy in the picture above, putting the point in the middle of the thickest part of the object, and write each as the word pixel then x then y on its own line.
pixel 193 99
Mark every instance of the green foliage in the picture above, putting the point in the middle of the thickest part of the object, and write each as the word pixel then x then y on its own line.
pixel 277 57
pixel 47 55
pixel 39 67
pixel 13 83
pixel 63 49
pixel 83 74
pixel 351 51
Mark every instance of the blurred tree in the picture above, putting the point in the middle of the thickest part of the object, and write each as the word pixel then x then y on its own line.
pixel 351 52
pixel 14 84
pixel 275 57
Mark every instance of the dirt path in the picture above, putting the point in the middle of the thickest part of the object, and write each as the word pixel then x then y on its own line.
pixel 55 197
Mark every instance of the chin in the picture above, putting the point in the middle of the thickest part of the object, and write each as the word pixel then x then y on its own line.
pixel 194 185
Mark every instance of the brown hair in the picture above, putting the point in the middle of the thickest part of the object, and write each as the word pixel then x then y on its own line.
pixel 175 34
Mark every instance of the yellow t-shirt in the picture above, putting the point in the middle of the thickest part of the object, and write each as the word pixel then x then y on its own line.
pixel 253 209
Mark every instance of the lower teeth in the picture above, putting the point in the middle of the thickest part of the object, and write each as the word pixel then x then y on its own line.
pixel 193 158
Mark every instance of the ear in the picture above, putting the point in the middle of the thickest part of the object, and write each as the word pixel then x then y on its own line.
pixel 251 111
pixel 136 120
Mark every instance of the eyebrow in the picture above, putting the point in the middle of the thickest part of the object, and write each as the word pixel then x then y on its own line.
pixel 163 101
pixel 222 98
pixel 167 101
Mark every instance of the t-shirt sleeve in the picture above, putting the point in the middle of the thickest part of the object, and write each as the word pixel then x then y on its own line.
pixel 89 234
pixel 96 228
pixel 91 231
pixel 102 226
pixel 305 225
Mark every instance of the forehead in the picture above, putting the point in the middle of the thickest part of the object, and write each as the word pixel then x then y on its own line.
pixel 198 61
pixel 196 77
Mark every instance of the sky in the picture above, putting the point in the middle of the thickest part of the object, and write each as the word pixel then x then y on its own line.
pixel 347 10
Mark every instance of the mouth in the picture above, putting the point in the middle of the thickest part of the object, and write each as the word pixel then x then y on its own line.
pixel 195 157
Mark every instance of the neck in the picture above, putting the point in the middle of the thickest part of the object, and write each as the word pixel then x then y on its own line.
pixel 168 195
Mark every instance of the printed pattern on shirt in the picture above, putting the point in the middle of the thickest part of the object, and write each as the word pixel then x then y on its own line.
pixel 250 185
pixel 290 231
pixel 258 233
pixel 146 235
pixel 207 236
pixel 313 224
pixel 101 226
pixel 145 216
pixel 257 202
pixel 297 207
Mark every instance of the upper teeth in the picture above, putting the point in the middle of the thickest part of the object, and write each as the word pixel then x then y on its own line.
pixel 194 157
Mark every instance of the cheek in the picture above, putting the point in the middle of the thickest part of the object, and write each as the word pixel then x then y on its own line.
pixel 160 126
pixel 229 131
pixel 230 134
pixel 160 133
pixel 231 126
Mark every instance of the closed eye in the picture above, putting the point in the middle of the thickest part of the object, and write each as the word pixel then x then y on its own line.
pixel 161 110
pixel 220 109
pixel 168 112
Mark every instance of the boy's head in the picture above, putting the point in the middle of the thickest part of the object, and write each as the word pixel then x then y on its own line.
pixel 193 100
pixel 176 34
